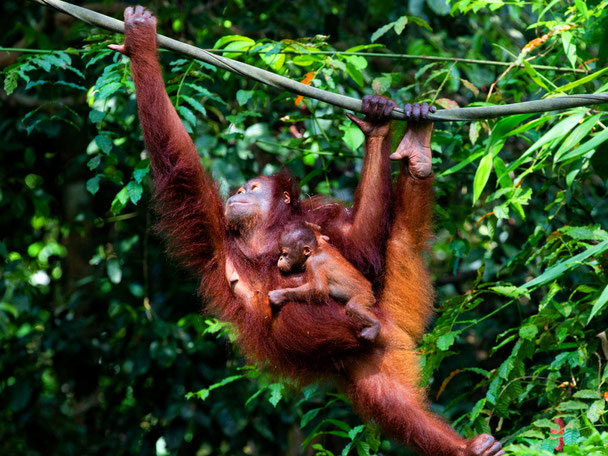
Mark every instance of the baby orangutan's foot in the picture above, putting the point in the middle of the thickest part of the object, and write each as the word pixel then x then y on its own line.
pixel 483 445
pixel 370 332
pixel 416 144
pixel 371 325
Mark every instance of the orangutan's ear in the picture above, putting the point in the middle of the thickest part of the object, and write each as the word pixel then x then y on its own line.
pixel 286 198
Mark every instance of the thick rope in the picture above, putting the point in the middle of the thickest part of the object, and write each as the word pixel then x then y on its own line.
pixel 349 103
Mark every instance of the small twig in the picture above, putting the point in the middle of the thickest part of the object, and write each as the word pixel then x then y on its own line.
pixel 41 51
pixel 387 55
pixel 342 101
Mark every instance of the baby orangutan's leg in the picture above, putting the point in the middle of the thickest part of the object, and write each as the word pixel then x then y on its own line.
pixel 358 307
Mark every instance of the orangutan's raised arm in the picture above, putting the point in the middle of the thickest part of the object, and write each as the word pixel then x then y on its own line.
pixel 192 214
pixel 369 227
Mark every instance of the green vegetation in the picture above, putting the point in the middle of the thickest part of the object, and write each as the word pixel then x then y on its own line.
pixel 102 346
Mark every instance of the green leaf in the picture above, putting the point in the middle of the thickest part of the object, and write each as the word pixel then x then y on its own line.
pixel 587 394
pixel 510 290
pixel 309 416
pixel 576 136
pixel 272 58
pixel 354 73
pixel 354 432
pixel 340 425
pixel 571 436
pixel 482 175
pixel 204 92
pixel 439 7
pixel 353 136
pixel 11 82
pixel 93 184
pixel 243 96
pixel 134 190
pixel 203 394
pixel 569 48
pixel 585 233
pixel 581 150
pixel 381 31
pixel 502 175
pixel 596 410
pixel 599 304
pixel 571 405
pixel 96 116
pixel 108 90
pixel 247 42
pixel 474 129
pixel 581 81
pixel 581 5
pixel 420 22
pixel 560 130
pixel 141 170
pixel 363 47
pixel 476 410
pixel 531 71
pixel 114 270
pixel 104 143
pixel 276 393
pixel 120 201
pixel 8 308
pixel 545 423
pixel 528 332
pixel 187 115
pixel 559 269
pixel 445 341
pixel 400 24
pixel 347 449
pixel 304 60
pixel 357 61
pixel 195 104
pixel 463 163
pixel 94 162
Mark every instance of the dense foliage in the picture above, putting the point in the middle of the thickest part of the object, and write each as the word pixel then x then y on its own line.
pixel 101 338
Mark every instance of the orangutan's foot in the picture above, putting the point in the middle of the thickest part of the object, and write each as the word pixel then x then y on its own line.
pixel 483 445
pixel 416 144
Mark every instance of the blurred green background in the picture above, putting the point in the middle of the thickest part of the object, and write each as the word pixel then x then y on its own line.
pixel 102 337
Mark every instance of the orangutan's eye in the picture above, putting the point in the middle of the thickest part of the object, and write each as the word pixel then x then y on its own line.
pixel 240 190
pixel 255 187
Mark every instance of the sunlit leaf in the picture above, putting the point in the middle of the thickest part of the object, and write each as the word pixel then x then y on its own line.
pixel 599 304
pixel 276 393
pixel 482 175
pixel 564 266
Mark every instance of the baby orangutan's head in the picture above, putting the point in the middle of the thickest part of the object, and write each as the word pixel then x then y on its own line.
pixel 297 242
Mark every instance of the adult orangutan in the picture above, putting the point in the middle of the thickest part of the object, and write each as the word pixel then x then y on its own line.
pixel 233 248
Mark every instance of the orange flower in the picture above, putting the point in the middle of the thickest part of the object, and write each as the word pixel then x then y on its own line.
pixel 307 80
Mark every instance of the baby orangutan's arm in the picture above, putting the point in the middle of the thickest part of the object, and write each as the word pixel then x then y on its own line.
pixel 315 289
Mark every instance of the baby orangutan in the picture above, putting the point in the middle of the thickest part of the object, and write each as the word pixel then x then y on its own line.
pixel 328 273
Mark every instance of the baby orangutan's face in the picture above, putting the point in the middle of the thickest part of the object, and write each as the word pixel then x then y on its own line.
pixel 293 259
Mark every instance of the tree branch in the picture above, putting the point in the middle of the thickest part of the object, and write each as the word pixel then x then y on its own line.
pixel 352 104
